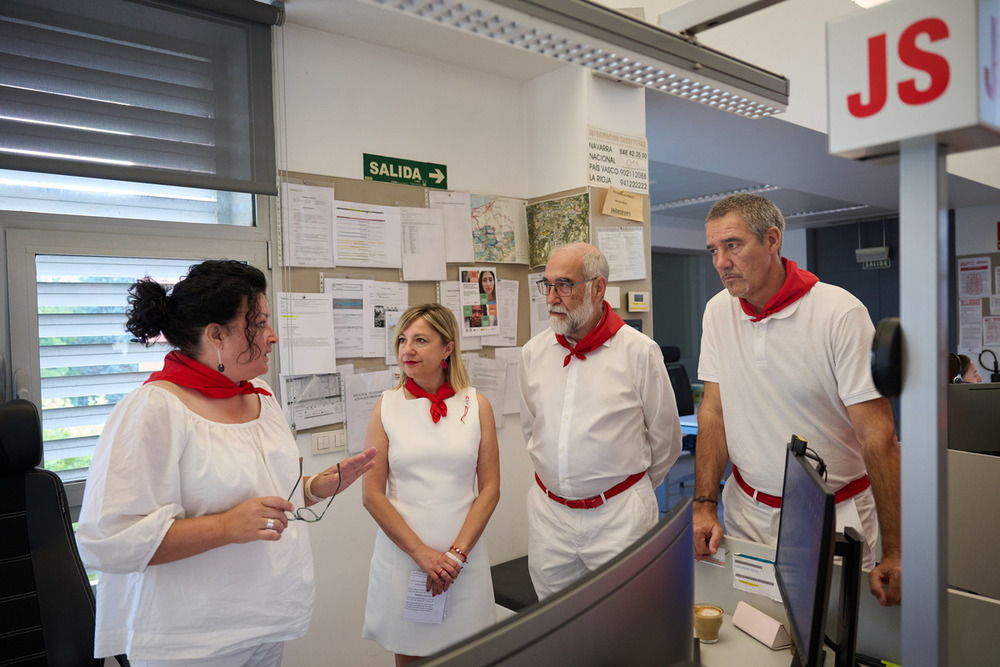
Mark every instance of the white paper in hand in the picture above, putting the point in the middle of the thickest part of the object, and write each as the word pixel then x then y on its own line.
pixel 421 606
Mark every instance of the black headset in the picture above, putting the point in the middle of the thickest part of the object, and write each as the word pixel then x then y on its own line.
pixel 995 374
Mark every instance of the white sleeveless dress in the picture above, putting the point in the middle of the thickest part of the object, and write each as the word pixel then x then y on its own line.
pixel 432 483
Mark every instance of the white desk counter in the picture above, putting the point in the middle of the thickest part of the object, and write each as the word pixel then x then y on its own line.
pixel 972 620
pixel 736 647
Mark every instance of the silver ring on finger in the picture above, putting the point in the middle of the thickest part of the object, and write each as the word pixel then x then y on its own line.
pixel 270 524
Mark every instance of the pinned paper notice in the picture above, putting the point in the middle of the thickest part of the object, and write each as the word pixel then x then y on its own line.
pixel 621 204
pixel 755 575
pixel 421 606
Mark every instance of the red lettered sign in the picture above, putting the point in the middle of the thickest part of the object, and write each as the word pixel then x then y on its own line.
pixel 902 70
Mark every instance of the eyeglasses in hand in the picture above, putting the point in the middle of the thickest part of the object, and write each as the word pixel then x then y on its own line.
pixel 306 513
pixel 562 287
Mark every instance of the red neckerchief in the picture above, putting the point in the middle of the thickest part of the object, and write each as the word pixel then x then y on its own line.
pixel 608 326
pixel 797 283
pixel 187 372
pixel 438 408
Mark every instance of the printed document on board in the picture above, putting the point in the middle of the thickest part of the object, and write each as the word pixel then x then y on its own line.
pixel 456 209
pixel 305 333
pixel 348 298
pixel 423 244
pixel 307 225
pixel 367 235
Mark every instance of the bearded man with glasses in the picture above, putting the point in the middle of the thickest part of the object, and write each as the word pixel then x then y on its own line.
pixel 600 421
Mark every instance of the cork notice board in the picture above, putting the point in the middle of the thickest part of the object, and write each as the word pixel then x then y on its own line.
pixel 308 279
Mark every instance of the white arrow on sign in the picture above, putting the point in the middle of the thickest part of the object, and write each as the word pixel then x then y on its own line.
pixel 437 176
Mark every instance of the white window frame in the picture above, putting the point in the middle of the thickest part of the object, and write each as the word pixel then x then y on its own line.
pixel 28 236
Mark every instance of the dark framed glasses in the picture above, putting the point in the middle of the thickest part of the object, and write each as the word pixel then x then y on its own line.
pixel 562 287
pixel 306 513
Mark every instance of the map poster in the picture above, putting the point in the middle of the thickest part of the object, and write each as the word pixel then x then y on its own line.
pixel 499 230
pixel 479 300
pixel 556 222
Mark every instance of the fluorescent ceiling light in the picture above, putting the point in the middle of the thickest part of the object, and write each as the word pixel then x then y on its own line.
pixel 615 45
pixel 715 196
pixel 829 211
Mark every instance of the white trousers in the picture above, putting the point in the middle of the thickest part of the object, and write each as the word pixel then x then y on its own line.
pixel 262 655
pixel 564 543
pixel 750 520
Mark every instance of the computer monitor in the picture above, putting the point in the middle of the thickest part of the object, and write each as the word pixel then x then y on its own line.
pixel 637 609
pixel 803 566
pixel 974 417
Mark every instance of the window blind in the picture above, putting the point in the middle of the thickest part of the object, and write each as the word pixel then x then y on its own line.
pixel 88 361
pixel 155 92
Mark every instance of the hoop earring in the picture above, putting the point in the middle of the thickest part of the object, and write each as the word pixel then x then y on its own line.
pixel 221 366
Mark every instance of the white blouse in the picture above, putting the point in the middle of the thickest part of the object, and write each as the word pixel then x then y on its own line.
pixel 157 461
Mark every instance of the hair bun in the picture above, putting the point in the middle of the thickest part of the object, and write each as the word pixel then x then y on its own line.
pixel 149 314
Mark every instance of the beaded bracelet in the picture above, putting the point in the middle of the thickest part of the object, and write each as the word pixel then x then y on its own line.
pixel 460 553
pixel 705 499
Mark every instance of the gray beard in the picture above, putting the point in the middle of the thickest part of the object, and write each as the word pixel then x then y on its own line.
pixel 574 320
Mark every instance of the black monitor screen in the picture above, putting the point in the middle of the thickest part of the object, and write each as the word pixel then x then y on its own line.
pixel 804 560
pixel 637 609
pixel 974 417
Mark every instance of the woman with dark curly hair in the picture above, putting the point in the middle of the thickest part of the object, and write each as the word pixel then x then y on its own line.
pixel 185 512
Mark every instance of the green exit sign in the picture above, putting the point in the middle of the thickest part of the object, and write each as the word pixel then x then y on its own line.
pixel 877 264
pixel 409 172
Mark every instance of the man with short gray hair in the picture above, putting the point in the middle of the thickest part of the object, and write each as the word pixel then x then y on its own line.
pixel 783 354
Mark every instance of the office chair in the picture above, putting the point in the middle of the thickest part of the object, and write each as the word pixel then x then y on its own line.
pixel 678 379
pixel 46 604
pixel 683 396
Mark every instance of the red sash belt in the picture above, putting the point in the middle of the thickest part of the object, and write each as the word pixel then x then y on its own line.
pixel 593 501
pixel 849 490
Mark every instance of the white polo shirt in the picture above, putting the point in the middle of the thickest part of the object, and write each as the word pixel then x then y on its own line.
pixel 796 371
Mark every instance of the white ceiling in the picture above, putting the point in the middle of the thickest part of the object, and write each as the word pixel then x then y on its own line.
pixel 716 151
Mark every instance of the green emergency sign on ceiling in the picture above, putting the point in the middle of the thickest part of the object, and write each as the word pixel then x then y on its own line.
pixel 409 172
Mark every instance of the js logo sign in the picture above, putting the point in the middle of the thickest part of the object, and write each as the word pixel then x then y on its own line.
pixel 919 68
pixel 911 55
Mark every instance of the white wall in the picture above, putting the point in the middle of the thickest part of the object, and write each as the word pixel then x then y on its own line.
pixel 556 103
pixel 342 98
pixel 976 230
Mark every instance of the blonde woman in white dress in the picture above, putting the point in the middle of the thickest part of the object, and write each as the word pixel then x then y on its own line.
pixel 435 484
